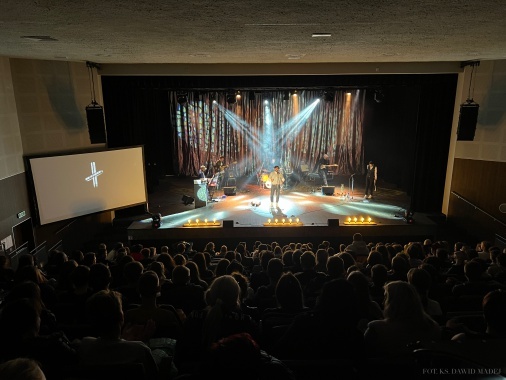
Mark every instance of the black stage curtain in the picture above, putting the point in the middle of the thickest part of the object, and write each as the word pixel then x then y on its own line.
pixel 405 129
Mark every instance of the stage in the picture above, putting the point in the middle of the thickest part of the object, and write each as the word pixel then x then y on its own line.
pixel 247 215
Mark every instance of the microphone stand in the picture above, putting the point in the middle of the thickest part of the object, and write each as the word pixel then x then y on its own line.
pixel 350 185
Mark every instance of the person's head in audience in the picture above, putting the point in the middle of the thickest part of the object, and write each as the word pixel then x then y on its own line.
pixel 473 270
pixel 100 277
pixel 288 293
pixel 28 290
pixel 149 285
pixel 26 260
pixel 235 266
pixel 321 257
pixel 243 282
pixel 159 269
pixel 335 267
pixel 342 247
pixel 221 267
pixel 374 258
pixel 379 274
pixel 105 313
pixel 266 256
pixel 180 259
pixel 132 272
pixel 223 296
pixel 230 255
pixel 21 369
pixel 347 258
pixel 402 302
pixel 223 250
pixel 77 255
pixel 80 278
pixel 338 304
pixel 421 280
pixel 400 265
pixel 194 272
pixel 307 261
pixel 287 258
pixel 274 270
pixel 89 259
pixel 485 245
pixel 180 275
pixel 30 273
pixel 200 259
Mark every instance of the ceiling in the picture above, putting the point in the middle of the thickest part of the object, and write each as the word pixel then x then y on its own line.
pixel 272 31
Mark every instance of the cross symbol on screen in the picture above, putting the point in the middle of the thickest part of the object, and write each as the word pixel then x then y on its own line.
pixel 94 174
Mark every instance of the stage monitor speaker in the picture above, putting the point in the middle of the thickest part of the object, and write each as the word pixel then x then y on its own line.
pixel 229 190
pixel 328 190
pixel 333 222
pixel 467 121
pixel 228 223
pixel 96 124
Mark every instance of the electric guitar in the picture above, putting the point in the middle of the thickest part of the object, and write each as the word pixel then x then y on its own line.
pixel 328 166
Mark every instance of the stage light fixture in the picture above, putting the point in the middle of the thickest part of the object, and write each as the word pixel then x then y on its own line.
pixel 328 96
pixel 182 98
pixel 156 220
pixel 379 96
pixel 231 98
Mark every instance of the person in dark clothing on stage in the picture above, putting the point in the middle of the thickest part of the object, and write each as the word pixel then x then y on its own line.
pixel 371 176
pixel 323 164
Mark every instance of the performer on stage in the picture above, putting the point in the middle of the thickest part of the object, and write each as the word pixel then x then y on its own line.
pixel 277 180
pixel 219 169
pixel 323 164
pixel 202 172
pixel 371 176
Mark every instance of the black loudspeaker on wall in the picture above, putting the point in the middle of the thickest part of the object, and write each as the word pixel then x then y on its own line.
pixel 333 222
pixel 328 190
pixel 228 223
pixel 96 124
pixel 467 121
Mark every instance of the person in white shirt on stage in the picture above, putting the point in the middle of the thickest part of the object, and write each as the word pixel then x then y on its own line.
pixel 277 179
pixel 202 172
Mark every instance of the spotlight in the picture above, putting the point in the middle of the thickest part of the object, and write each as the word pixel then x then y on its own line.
pixel 156 220
pixel 182 98
pixel 231 98
pixel 408 216
pixel 286 95
pixel 328 96
pixel 379 96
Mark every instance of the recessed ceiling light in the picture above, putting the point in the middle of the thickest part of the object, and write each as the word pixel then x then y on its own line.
pixel 294 56
pixel 321 35
pixel 39 38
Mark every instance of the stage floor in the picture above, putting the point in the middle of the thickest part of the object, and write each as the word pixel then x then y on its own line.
pixel 250 209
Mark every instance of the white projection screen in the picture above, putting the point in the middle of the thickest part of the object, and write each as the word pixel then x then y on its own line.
pixel 68 186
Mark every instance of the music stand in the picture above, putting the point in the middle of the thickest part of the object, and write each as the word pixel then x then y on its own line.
pixel 350 186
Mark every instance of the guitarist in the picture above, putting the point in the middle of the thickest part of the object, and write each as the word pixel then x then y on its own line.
pixel 323 164
pixel 219 169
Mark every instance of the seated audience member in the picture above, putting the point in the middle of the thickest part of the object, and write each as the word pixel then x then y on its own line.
pixel 34 274
pixel 159 269
pixel 322 257
pixel 328 333
pixel 456 270
pixel 105 313
pixel 348 260
pixel 260 277
pixel 477 283
pixel 72 304
pixel 113 253
pixel 222 317
pixel 374 258
pixel 335 268
pixel 405 323
pixel 399 270
pixel 421 280
pixel 20 338
pixel 221 268
pixel 195 274
pixel 167 323
pixel 310 280
pixel 168 263
pixel 100 277
pixel 368 309
pixel 359 248
pixel 265 294
pixel 21 369
pixel 290 303
pixel 130 291
pixel 30 290
pixel 416 254
pixel 379 277
pixel 497 270
pixel 205 273
pixel 246 296
pixel 181 293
